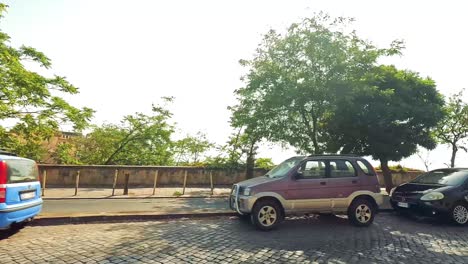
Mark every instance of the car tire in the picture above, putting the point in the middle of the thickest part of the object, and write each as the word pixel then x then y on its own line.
pixel 266 215
pixel 459 213
pixel 361 212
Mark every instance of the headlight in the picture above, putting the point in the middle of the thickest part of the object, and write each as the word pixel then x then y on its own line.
pixel 391 191
pixel 246 192
pixel 432 196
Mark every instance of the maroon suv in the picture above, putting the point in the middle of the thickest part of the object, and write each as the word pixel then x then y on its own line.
pixel 336 184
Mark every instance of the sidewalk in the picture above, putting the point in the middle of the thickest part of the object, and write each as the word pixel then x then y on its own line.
pixel 96 193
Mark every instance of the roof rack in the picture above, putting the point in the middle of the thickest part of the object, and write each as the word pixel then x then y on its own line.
pixel 7 153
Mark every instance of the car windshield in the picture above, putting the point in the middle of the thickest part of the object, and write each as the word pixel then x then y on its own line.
pixel 281 170
pixel 442 177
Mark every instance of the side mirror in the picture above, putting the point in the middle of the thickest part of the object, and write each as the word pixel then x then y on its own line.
pixel 298 175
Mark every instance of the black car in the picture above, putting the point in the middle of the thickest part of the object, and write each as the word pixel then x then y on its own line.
pixel 442 192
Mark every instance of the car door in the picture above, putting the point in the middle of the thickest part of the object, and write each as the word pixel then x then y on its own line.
pixel 343 181
pixel 307 189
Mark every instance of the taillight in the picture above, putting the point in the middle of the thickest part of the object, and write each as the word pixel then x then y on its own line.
pixel 3 180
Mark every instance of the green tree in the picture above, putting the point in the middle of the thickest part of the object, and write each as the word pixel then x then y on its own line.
pixel 191 149
pixel 139 140
pixel 264 163
pixel 294 79
pixel 453 129
pixel 31 101
pixel 65 153
pixel 387 117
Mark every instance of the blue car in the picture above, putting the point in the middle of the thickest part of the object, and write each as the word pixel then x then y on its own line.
pixel 20 196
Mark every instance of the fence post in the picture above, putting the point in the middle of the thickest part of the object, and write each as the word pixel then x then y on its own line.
pixel 185 182
pixel 127 178
pixel 115 181
pixel 44 180
pixel 155 181
pixel 211 182
pixel 77 182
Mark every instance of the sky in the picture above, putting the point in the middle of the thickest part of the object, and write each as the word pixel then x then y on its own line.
pixel 125 55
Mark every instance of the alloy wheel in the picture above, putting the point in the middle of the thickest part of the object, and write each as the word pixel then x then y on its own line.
pixel 267 215
pixel 363 213
pixel 460 214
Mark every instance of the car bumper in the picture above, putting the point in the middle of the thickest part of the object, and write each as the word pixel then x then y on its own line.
pixel 18 214
pixel 244 203
pixel 240 203
pixel 433 208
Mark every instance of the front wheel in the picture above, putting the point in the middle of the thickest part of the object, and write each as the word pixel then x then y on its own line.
pixel 266 215
pixel 361 212
pixel 459 213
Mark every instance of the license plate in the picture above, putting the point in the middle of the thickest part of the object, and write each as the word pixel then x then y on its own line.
pixel 27 195
pixel 405 205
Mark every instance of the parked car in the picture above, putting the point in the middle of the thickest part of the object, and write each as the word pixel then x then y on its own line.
pixel 20 197
pixel 442 192
pixel 326 184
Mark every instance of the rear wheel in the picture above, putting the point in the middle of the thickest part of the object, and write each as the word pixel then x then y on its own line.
pixel 266 214
pixel 459 213
pixel 361 212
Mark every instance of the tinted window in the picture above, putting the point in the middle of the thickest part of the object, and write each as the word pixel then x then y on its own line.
pixel 443 177
pixel 22 171
pixel 313 169
pixel 366 168
pixel 341 168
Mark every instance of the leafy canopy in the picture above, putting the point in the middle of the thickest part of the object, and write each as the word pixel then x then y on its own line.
pixel 295 78
pixel 388 116
pixel 32 102
pixel 453 129
pixel 138 140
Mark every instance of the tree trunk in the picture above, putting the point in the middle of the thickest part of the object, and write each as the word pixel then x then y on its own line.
pixel 454 154
pixel 249 166
pixel 387 175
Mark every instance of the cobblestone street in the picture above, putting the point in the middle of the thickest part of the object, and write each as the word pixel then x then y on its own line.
pixel 392 239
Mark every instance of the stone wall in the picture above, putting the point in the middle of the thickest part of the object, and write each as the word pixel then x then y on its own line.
pixel 399 177
pixel 143 176
pixel 139 176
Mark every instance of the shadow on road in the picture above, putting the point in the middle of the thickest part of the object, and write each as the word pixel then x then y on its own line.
pixel 391 239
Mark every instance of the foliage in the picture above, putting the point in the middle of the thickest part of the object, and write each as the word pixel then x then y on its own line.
pixel 387 117
pixel 453 129
pixel 139 140
pixel 264 163
pixel 397 169
pixel 295 78
pixel 191 149
pixel 177 194
pixel 32 101
pixel 65 153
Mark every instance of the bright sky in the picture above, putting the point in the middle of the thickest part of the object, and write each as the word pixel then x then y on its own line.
pixel 125 55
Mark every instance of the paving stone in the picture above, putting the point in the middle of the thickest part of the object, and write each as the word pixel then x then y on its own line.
pixel 392 239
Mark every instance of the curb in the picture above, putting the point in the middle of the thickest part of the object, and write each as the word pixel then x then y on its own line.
pixel 64 220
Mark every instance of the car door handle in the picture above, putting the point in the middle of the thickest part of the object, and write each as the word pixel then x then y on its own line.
pixel 353 181
pixel 323 183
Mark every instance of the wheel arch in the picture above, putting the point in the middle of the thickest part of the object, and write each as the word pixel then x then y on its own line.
pixel 364 196
pixel 271 198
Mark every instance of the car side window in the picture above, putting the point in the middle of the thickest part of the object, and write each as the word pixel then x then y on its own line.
pixel 312 169
pixel 365 168
pixel 341 169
